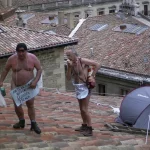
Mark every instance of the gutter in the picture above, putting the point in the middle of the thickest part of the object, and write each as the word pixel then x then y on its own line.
pixel 124 75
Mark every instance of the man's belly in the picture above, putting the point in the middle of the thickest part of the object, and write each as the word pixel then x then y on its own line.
pixel 22 77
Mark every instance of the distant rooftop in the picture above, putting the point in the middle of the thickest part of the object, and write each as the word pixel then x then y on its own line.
pixel 40 21
pixel 115 50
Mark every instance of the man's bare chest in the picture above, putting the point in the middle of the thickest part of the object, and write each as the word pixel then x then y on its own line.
pixel 22 65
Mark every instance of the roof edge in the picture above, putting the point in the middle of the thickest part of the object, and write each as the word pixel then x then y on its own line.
pixel 130 76
pixel 74 42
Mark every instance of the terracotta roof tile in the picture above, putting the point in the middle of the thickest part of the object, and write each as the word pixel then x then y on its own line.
pixel 10 36
pixel 122 51
pixel 57 116
pixel 35 23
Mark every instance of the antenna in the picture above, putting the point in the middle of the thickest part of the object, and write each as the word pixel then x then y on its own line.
pixel 91 52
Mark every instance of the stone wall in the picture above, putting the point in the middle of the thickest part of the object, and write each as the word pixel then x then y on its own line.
pixel 113 86
pixel 52 62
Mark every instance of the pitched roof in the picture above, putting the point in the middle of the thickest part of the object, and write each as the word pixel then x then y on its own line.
pixel 57 114
pixel 10 36
pixel 35 23
pixel 118 50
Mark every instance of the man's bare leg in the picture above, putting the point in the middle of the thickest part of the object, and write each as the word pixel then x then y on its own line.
pixel 83 104
pixel 19 112
pixel 31 113
pixel 87 131
pixel 31 110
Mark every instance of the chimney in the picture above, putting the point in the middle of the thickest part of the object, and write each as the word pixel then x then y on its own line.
pixel 4 3
pixel 90 11
pixel 9 3
pixel 52 17
pixel 136 9
pixel 70 20
pixel 123 27
pixel 20 22
pixel 60 17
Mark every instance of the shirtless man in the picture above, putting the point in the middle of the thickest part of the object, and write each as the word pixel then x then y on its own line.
pixel 22 65
pixel 78 69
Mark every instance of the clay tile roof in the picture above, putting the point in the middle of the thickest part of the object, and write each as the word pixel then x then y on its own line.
pixel 57 114
pixel 118 50
pixel 10 36
pixel 34 23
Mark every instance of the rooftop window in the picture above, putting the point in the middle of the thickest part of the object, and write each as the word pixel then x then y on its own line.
pixel 131 28
pixel 98 27
pixel 27 16
pixel 1 30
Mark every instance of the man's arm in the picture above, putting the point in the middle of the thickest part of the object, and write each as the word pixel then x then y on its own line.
pixel 37 65
pixel 5 71
pixel 69 68
pixel 91 63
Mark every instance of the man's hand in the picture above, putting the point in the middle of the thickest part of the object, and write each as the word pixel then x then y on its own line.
pixel 91 82
pixel 69 63
pixel 33 85
pixel 91 79
pixel 1 84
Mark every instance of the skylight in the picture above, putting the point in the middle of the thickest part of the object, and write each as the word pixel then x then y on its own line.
pixel 131 28
pixel 49 32
pixel 27 16
pixel 1 30
pixel 98 27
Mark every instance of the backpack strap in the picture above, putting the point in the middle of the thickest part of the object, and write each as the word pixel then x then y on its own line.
pixel 82 69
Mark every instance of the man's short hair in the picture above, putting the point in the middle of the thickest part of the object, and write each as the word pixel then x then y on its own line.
pixel 21 45
pixel 74 52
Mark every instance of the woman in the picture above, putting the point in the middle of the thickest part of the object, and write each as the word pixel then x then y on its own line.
pixel 77 69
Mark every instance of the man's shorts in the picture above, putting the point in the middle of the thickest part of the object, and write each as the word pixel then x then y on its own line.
pixel 81 91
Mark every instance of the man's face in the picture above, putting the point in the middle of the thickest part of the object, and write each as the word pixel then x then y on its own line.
pixel 70 56
pixel 21 53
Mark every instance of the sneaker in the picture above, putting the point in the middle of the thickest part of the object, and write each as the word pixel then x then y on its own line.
pixel 34 126
pixel 20 124
pixel 82 128
pixel 88 131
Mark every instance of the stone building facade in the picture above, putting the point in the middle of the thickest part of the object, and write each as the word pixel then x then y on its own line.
pixel 53 75
pixel 79 7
